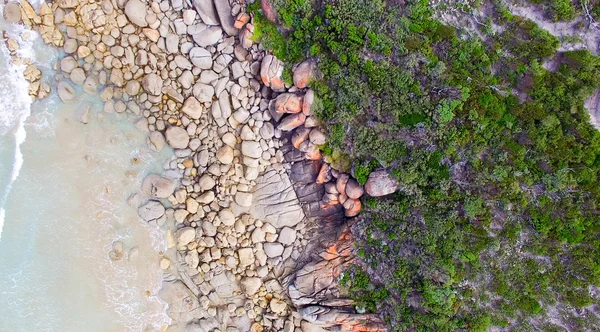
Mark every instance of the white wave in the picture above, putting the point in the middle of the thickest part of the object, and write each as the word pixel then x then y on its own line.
pixel 15 106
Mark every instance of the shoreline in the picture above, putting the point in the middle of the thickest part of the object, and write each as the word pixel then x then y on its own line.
pixel 235 218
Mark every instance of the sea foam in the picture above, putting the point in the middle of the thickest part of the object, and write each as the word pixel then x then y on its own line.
pixel 15 104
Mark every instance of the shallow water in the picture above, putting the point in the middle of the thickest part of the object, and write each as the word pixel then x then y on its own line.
pixel 64 207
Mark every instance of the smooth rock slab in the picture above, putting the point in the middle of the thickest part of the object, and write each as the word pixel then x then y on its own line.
pixel 207 11
pixel 275 200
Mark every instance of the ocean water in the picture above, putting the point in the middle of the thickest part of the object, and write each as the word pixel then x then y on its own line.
pixel 64 187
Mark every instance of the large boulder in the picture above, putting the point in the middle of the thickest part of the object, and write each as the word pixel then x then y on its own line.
pixel 271 70
pixel 66 93
pixel 380 183
pixel 206 10
pixel 208 36
pixel 275 200
pixel 227 21
pixel 183 304
pixel 303 74
pixel 136 12
pixel 158 186
pixel 12 12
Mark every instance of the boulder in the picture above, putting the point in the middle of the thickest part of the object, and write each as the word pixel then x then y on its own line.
pixel 246 257
pixel 206 10
pixel 287 236
pixel 90 85
pixel 152 210
pixel 288 103
pixel 303 74
pixel 353 189
pixel 227 218
pixel 66 93
pixel 251 149
pixel 201 58
pixel 243 199
pixel 227 20
pixel 380 183
pixel 192 108
pixel 177 137
pixel 158 186
pixel 77 76
pixel 275 200
pixel 156 141
pixel 273 250
pixel 67 64
pixel 317 137
pixel 152 83
pixel 203 92
pixel 208 36
pixel 225 155
pixel 136 13
pixel 250 286
pixel 271 70
pixel 12 12
pixel 292 122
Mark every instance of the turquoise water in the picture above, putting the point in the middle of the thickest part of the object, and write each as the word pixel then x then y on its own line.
pixel 64 187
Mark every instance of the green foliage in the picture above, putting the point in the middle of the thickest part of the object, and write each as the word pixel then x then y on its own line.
pixel 497 218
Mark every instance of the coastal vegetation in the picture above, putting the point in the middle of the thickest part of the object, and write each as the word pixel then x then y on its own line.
pixel 496 221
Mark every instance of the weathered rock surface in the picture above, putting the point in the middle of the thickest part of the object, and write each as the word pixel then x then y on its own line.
pixel 380 183
pixel 275 200
pixel 158 186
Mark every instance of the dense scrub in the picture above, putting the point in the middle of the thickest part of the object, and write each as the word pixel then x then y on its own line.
pixel 497 220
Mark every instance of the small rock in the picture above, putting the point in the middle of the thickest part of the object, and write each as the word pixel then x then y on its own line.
pixel 66 93
pixel 273 249
pixel 177 137
pixel 193 108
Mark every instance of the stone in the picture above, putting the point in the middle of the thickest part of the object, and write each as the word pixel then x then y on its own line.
pixel 277 306
pixel 251 149
pixel 241 20
pixel 353 189
pixel 352 207
pixel 258 235
pixel 207 37
pixel 67 64
pixel 206 182
pixel 12 12
pixel 227 20
pixel 66 93
pixel 275 200
pixel 317 137
pixel 156 141
pixel 83 114
pixel 177 137
pixel 292 122
pixel 192 108
pixel 288 103
pixel 172 43
pixel 201 58
pixel 207 11
pixel 246 257
pixel 270 72
pixel 380 183
pixel 151 34
pixel 185 235
pixel 250 286
pixel 165 263
pixel 158 186
pixel 152 210
pixel 77 76
pixel 287 236
pixel 341 182
pixel 83 51
pixel 152 84
pixel 303 74
pixel 207 198
pixel 243 199
pixel 191 205
pixel 90 85
pixel 70 46
pixel 225 155
pixel 136 13
pixel 183 305
pixel 273 250
pixel 227 218
pixel 204 92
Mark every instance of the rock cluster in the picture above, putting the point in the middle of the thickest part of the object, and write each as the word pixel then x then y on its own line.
pixel 191 77
pixel 37 88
